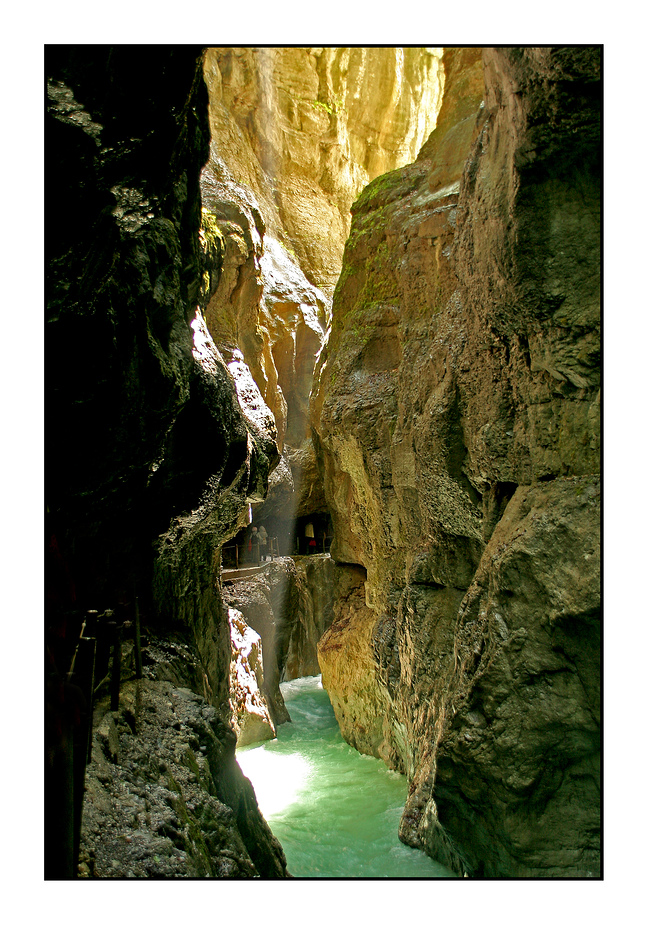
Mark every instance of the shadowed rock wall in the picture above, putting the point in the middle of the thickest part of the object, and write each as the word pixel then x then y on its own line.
pixel 151 461
pixel 145 433
pixel 457 425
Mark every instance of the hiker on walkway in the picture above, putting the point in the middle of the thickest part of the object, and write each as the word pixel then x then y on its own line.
pixel 310 539
pixel 254 541
pixel 263 541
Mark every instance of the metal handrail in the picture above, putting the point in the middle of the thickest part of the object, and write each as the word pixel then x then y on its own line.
pixel 272 545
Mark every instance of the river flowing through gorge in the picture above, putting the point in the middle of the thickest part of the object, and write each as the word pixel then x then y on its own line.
pixel 335 811
pixel 337 308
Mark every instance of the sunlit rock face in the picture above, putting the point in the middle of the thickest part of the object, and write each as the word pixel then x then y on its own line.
pixel 290 605
pixel 304 129
pixel 250 714
pixel 186 570
pixel 296 134
pixel 457 422
pixel 348 667
pixel 268 601
pixel 265 314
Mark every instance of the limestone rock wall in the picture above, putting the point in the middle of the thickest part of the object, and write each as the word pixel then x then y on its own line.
pixel 268 602
pixel 304 129
pixel 259 308
pixel 290 605
pixel 348 666
pixel 296 133
pixel 251 719
pixel 457 424
pixel 317 580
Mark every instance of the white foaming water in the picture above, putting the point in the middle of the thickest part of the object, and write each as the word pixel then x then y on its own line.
pixel 299 686
pixel 278 780
pixel 335 811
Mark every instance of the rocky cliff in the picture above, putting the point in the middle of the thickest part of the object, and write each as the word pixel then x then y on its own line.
pixel 454 427
pixel 184 316
pixel 456 420
pixel 303 130
pixel 290 605
pixel 151 461
pixel 165 797
pixel 296 134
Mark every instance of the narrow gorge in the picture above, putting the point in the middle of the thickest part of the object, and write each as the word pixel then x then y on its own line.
pixel 322 396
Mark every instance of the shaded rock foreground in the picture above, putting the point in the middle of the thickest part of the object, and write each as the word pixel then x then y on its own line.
pixel 165 797
pixel 164 794
pixel 457 421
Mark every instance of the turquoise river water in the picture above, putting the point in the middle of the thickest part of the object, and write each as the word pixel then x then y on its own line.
pixel 335 811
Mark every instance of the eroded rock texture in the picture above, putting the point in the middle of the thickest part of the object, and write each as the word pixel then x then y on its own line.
pixel 305 129
pixel 165 797
pixel 296 134
pixel 151 459
pixel 146 436
pixel 251 719
pixel 290 605
pixel 457 422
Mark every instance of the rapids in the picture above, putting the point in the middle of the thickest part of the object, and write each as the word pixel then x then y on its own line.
pixel 335 811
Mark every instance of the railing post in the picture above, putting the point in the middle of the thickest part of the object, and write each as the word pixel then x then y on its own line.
pixel 84 679
pixel 92 633
pixel 138 641
pixel 115 677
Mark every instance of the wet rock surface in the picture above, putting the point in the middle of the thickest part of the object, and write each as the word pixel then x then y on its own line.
pixel 289 603
pixel 164 795
pixel 457 422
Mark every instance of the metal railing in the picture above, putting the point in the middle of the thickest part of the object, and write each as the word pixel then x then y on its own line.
pixel 95 664
pixel 244 555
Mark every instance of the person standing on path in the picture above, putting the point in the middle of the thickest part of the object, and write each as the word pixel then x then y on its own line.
pixel 263 540
pixel 254 539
